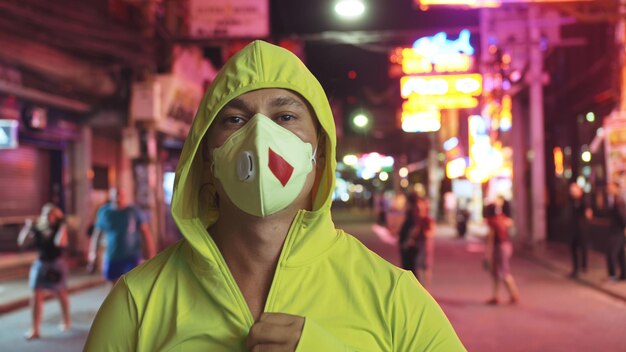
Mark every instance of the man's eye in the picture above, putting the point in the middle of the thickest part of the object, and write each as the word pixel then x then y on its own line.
pixel 234 120
pixel 285 118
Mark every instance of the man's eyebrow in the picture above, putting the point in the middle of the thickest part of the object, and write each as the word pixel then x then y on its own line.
pixel 237 104
pixel 285 101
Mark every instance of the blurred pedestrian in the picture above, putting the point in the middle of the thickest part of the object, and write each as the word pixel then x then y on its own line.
pixel 462 218
pixel 382 207
pixel 262 266
pixel 499 249
pixel 422 237
pixel 125 230
pixel 616 212
pixel 408 247
pixel 581 213
pixel 49 272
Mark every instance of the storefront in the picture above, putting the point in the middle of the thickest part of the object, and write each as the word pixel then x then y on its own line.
pixel 37 169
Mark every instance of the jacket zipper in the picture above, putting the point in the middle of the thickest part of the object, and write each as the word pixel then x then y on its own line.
pixel 297 224
pixel 245 309
pixel 235 290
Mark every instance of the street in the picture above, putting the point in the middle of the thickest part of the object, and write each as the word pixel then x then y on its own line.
pixel 84 306
pixel 555 314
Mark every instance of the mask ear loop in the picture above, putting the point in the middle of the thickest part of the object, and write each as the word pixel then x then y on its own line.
pixel 314 155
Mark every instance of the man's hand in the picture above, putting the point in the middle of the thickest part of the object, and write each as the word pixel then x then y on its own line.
pixel 275 332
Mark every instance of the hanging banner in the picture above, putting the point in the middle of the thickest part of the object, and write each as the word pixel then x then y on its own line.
pixel 229 19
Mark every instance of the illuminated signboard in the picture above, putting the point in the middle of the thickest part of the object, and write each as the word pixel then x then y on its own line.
pixel 506 118
pixel 436 54
pixel 479 150
pixel 427 93
pixel 417 102
pixel 558 161
pixel 455 168
pixel 466 84
pixel 487 3
pixel 421 120
pixel 486 160
pixel 8 134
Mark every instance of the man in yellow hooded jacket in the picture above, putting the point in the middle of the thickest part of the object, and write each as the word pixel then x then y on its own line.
pixel 262 267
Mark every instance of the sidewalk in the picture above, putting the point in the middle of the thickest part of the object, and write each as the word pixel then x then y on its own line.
pixel 556 257
pixel 15 294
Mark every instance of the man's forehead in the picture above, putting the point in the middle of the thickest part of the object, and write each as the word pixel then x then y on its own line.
pixel 274 97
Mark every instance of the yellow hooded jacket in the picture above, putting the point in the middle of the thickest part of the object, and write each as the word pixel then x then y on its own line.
pixel 185 299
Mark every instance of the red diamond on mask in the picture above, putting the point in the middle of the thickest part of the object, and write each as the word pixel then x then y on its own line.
pixel 279 167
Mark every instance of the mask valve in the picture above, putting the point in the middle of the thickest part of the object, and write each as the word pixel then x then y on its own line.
pixel 245 167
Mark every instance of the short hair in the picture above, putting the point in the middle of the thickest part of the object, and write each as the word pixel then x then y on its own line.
pixel 412 197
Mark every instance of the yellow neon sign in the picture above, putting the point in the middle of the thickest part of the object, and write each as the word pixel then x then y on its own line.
pixel 465 84
pixel 421 120
pixel 417 102
pixel 558 161
pixel 455 168
pixel 415 63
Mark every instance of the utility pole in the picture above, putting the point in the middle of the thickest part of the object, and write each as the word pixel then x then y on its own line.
pixel 537 139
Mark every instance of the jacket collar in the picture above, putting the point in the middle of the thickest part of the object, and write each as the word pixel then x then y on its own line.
pixel 310 236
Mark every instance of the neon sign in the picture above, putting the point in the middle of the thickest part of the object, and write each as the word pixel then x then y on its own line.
pixel 506 118
pixel 417 102
pixel 455 168
pixel 487 3
pixel 438 46
pixel 424 120
pixel 558 161
pixel 486 160
pixel 470 3
pixel 436 54
pixel 468 84
pixel 427 94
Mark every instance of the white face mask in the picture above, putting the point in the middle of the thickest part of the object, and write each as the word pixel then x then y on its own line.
pixel 263 166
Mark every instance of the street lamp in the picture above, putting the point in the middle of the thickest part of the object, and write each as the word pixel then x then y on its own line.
pixel 350 9
pixel 360 121
pixel 586 156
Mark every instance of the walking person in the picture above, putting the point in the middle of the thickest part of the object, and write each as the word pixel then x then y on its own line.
pixel 407 245
pixel 422 238
pixel 462 218
pixel 580 212
pixel 125 230
pixel 49 272
pixel 500 249
pixel 616 212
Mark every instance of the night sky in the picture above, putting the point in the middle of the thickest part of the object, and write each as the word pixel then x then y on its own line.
pixel 331 62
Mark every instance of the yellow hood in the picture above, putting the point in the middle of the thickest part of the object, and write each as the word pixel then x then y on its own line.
pixel 258 65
